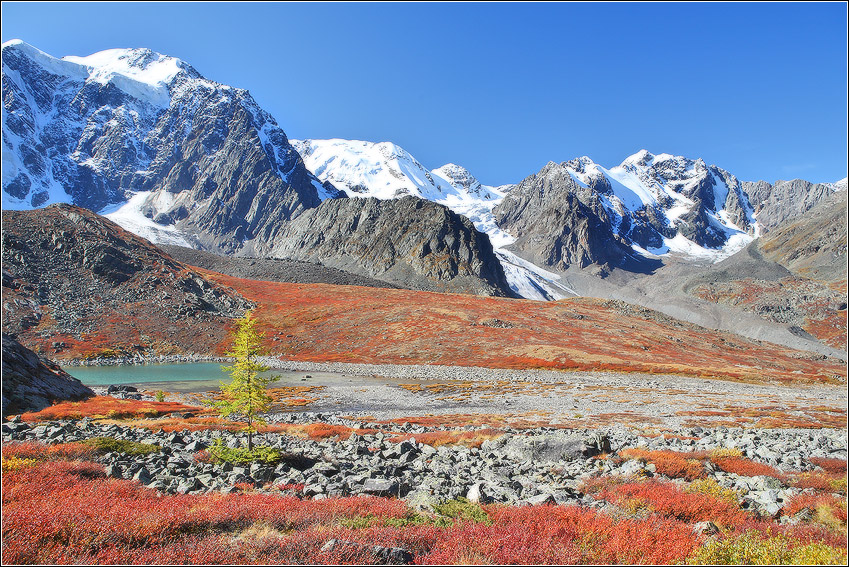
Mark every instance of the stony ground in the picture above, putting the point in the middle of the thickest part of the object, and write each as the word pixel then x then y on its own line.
pixel 712 459
pixel 532 466
pixel 575 399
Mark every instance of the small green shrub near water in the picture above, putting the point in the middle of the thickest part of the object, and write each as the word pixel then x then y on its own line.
pixel 112 445
pixel 244 456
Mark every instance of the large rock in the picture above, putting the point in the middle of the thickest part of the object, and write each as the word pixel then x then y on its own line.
pixel 32 383
pixel 554 448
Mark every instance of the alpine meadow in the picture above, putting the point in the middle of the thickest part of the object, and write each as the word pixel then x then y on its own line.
pixel 594 310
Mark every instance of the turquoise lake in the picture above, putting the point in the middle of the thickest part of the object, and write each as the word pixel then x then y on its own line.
pixel 188 377
pixel 193 376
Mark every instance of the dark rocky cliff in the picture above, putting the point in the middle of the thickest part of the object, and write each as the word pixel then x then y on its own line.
pixel 75 281
pixel 32 382
pixel 408 241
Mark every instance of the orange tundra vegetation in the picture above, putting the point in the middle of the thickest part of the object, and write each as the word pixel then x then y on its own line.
pixel 59 508
pixel 107 407
pixel 321 322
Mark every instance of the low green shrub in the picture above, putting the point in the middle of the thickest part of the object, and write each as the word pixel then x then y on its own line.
pixel 462 509
pixel 242 456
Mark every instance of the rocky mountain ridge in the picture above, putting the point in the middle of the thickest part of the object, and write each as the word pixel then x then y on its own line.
pixel 146 140
pixel 197 160
pixel 72 277
pixel 442 250
pixel 180 159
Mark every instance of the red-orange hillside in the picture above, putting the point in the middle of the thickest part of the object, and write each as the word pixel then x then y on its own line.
pixel 319 322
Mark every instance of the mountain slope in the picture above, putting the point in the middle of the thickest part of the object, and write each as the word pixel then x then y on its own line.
pixel 650 207
pixel 795 275
pixel 179 159
pixel 387 171
pixel 784 200
pixel 408 241
pixel 73 280
pixel 144 137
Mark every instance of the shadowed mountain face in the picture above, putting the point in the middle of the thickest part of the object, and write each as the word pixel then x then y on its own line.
pixel 441 250
pixel 71 277
pixel 795 275
pixel 31 382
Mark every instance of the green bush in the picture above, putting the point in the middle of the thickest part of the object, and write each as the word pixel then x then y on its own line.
pixel 245 456
pixel 110 445
pixel 462 509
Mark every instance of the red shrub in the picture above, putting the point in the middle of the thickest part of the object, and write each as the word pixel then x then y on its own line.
pixel 830 465
pixel 746 467
pixel 563 535
pixel 673 464
pixel 106 406
pixel 822 481
pixel 831 505
pixel 666 499
pixel 42 452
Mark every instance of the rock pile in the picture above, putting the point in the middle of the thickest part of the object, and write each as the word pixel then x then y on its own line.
pixel 520 468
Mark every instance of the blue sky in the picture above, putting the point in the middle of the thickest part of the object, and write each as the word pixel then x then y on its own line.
pixel 758 89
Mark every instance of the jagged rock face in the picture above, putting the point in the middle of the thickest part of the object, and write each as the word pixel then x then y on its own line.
pixel 407 241
pixel 814 244
pixel 95 130
pixel 71 277
pixel 579 213
pixel 32 383
pixel 784 200
pixel 553 227
pixel 693 179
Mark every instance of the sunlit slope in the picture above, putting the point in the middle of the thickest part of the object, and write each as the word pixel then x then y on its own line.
pixel 319 322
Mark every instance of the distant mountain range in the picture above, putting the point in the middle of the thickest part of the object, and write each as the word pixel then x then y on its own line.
pixel 145 140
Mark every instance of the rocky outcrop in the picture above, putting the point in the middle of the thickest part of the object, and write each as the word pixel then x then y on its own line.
pixel 409 241
pixel 74 281
pixel 270 269
pixel 784 200
pixel 813 244
pixel 32 383
pixel 554 227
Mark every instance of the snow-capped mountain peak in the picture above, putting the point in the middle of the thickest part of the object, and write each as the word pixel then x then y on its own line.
pixel 144 138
